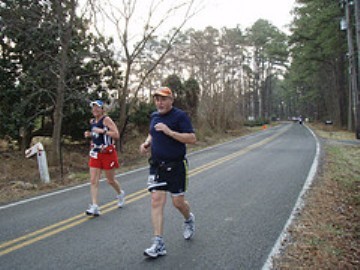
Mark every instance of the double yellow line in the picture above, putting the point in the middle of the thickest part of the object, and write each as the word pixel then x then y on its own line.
pixel 30 238
pixel 63 225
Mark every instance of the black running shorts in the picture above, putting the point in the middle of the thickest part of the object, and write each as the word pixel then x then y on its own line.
pixel 169 176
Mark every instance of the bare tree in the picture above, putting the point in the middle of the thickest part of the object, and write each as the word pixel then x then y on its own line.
pixel 122 16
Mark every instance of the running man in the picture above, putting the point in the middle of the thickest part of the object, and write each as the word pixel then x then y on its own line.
pixel 170 131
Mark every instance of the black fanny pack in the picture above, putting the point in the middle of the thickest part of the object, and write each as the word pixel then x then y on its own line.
pixel 160 164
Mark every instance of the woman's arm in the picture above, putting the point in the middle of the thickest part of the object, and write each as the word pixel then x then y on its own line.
pixel 112 131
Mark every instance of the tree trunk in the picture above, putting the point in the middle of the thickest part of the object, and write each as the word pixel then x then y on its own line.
pixel 25 139
pixel 123 93
pixel 65 39
pixel 340 84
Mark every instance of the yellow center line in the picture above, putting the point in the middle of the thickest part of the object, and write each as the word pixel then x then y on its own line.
pixel 66 227
pixel 66 224
pixel 48 228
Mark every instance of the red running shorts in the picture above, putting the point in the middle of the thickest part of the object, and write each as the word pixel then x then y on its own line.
pixel 105 161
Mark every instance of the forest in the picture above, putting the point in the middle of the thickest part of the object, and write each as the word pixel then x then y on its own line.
pixel 56 58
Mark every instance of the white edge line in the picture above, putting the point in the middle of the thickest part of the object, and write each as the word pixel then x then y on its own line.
pixel 297 208
pixel 103 179
pixel 62 191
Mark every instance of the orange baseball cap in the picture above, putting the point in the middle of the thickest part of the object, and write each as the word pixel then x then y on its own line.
pixel 164 92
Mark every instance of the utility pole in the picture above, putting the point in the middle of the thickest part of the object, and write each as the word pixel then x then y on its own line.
pixel 354 102
pixel 357 94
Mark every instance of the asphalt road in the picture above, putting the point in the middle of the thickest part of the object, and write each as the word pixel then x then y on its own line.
pixel 242 193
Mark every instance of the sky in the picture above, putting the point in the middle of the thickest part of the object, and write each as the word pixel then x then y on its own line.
pixel 229 13
pixel 215 13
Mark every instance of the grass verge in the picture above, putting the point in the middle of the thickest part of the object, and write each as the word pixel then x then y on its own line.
pixel 325 235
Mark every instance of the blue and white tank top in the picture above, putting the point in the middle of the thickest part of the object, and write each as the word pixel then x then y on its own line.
pixel 100 139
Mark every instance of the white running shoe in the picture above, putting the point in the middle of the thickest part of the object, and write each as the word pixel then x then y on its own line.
pixel 121 198
pixel 93 210
pixel 189 227
pixel 157 248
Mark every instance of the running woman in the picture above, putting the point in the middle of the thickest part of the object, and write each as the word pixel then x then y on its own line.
pixel 103 155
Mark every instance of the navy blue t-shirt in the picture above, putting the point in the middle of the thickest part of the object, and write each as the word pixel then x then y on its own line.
pixel 163 147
